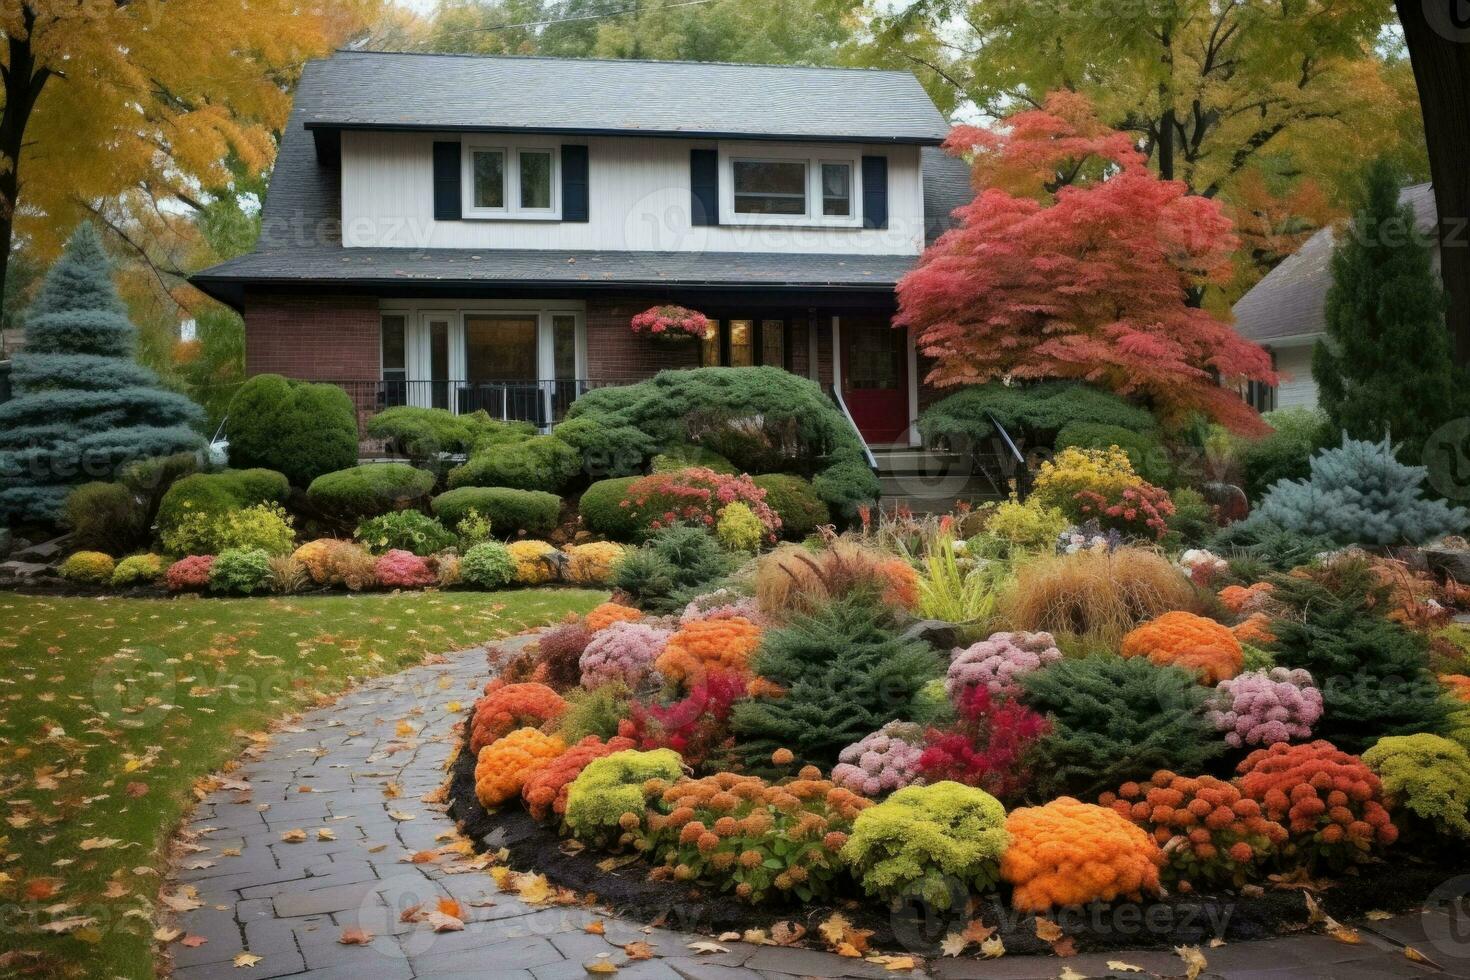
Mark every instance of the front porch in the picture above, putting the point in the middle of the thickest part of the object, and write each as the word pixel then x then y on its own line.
pixel 529 358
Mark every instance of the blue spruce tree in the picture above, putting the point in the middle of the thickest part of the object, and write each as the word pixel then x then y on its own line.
pixel 83 407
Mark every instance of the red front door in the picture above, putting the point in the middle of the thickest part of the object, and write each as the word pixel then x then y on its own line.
pixel 875 378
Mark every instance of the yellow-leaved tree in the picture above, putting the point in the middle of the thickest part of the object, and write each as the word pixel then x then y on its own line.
pixel 160 99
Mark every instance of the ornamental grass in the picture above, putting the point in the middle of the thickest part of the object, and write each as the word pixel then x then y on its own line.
pixel 1095 597
pixel 792 581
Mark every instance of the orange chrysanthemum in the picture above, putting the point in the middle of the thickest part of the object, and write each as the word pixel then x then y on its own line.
pixel 1182 639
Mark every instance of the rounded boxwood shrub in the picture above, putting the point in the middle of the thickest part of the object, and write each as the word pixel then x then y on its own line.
pixel 795 501
pixel 242 571
pixel 405 530
pixel 296 427
pixel 359 492
pixel 922 838
pixel 488 565
pixel 539 463
pixel 509 511
pixel 220 493
pixel 137 568
pixel 91 567
pixel 602 510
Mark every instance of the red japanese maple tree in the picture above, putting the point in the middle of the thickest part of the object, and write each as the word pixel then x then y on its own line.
pixel 1076 261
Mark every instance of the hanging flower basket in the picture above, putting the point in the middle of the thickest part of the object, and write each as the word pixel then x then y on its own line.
pixel 671 323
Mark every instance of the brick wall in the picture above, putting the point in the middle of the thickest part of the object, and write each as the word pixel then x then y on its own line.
pixel 317 336
pixel 615 352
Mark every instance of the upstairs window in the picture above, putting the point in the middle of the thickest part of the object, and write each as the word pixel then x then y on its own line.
pixel 489 179
pixel 770 186
pixel 789 185
pixel 511 182
pixel 837 189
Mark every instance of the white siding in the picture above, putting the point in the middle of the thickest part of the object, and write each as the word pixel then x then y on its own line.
pixel 1297 386
pixel 639 201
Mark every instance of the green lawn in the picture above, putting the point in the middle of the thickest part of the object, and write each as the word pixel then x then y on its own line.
pixel 112 709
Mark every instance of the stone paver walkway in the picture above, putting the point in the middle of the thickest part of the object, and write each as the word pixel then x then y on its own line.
pixel 351 778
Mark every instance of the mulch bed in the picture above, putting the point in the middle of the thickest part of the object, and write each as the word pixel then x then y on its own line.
pixel 1163 924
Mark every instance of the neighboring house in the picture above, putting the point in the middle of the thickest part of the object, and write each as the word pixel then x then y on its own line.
pixel 1286 311
pixel 477 232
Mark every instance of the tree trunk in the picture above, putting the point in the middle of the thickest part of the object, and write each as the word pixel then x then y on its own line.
pixel 23 84
pixel 1437 33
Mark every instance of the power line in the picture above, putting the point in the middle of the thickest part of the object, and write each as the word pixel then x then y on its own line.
pixel 569 20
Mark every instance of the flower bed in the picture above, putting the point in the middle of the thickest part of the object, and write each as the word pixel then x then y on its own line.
pixel 826 752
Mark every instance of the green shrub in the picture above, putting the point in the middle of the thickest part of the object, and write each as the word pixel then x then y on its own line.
pixel 218 494
pixel 1029 527
pixel 921 839
pixel 105 517
pixel 138 568
pixel 687 455
pixel 241 571
pixel 1266 545
pixel 611 786
pixel 1297 434
pixel 1427 775
pixel 473 529
pixel 1193 520
pixel 932 705
pixel 1147 454
pixel 509 511
pixel 295 427
pixel 487 565
pixel 360 492
pixel 603 512
pixel 661 576
pixel 796 502
pixel 91 567
pixel 738 529
pixel 846 673
pixel 1036 412
pixel 263 526
pixel 1115 720
pixel 404 530
pixel 595 712
pixel 423 434
pixel 1373 673
pixel 1359 493
pixel 777 414
pixel 540 463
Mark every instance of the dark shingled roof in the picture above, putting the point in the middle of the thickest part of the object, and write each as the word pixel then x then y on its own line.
pixel 300 241
pixel 1291 301
pixel 377 90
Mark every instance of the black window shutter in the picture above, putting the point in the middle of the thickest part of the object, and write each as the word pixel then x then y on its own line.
pixel 574 183
pixel 875 192
pixel 447 198
pixel 704 187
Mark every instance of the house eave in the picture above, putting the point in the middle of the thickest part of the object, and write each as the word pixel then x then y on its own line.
pixel 320 128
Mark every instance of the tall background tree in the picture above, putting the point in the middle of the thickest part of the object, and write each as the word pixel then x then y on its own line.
pixel 1385 367
pixel 83 406
pixel 1076 262
pixel 1251 103
pixel 1437 33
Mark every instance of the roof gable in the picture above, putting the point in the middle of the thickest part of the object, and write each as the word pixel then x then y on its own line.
pixel 379 90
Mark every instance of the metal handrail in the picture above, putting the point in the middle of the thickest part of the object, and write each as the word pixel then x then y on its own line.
pixel 1016 455
pixel 842 406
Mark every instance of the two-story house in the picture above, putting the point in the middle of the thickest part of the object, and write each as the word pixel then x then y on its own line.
pixel 474 232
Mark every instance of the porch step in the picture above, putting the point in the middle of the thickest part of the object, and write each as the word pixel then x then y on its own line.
pixel 930 482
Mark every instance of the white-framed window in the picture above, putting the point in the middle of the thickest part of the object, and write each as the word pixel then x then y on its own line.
pixel 514 182
pixel 797 186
